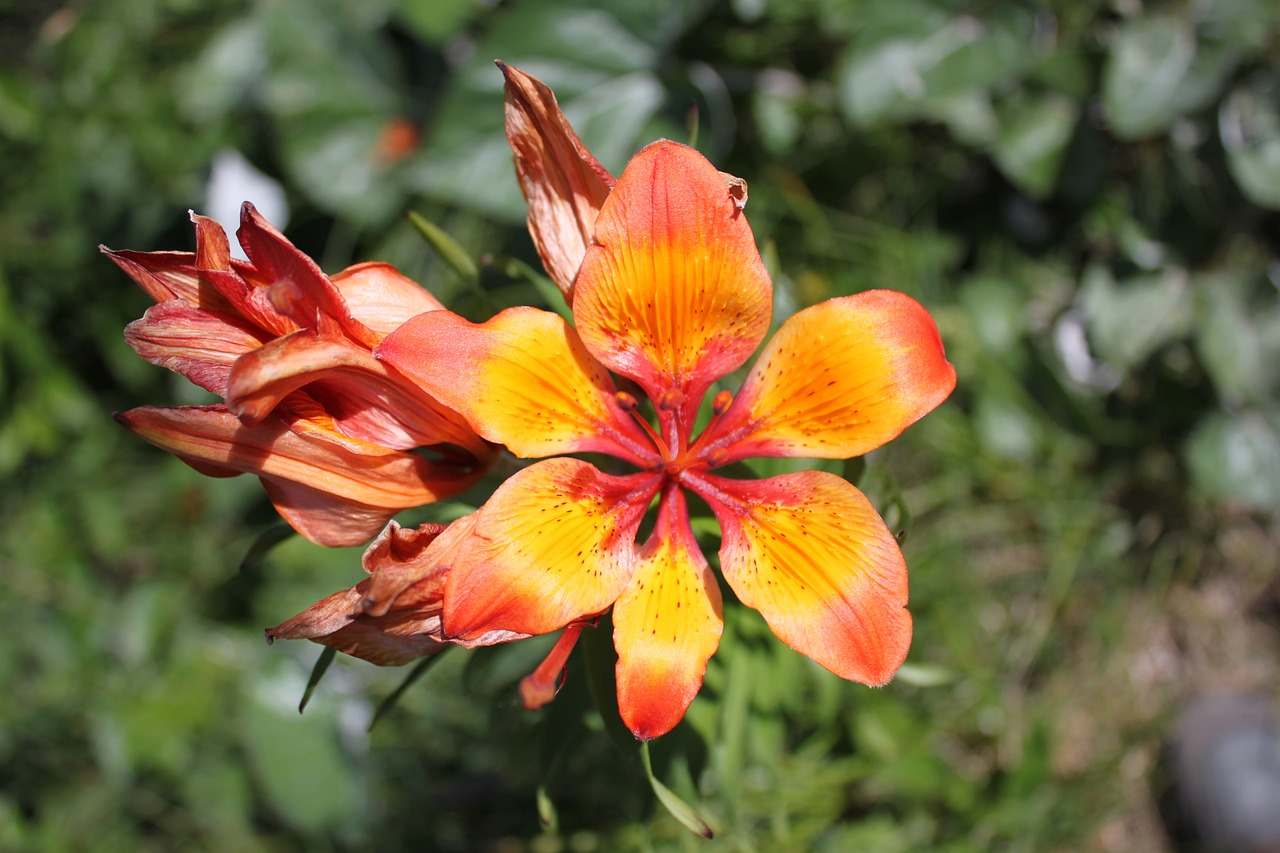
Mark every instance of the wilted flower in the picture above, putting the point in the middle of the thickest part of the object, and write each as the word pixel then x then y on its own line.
pixel 393 616
pixel 307 408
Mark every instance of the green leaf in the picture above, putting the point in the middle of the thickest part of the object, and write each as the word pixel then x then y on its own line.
pixel 449 250
pixel 436 21
pixel 267 540
pixel 302 772
pixel 419 670
pixel 678 808
pixel 1238 342
pixel 1129 320
pixel 933 68
pixel 1156 71
pixel 1249 124
pixel 1236 457
pixel 601 662
pixel 317 673
pixel 547 810
pixel 1033 138
pixel 551 295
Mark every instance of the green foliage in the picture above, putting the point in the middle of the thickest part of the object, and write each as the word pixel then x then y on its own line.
pixel 1083 194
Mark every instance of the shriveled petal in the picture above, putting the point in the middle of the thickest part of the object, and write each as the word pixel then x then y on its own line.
pixel 337 622
pixel 198 344
pixel 666 625
pixel 839 379
pixel 522 379
pixel 393 616
pixel 563 184
pixel 673 293
pixel 381 297
pixel 810 552
pixel 365 399
pixel 333 489
pixel 234 281
pixel 554 544
pixel 297 285
pixel 165 275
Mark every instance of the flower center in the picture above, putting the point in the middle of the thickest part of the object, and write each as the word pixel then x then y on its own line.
pixel 676 456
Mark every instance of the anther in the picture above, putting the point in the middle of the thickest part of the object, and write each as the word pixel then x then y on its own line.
pixel 625 401
pixel 672 398
pixel 721 402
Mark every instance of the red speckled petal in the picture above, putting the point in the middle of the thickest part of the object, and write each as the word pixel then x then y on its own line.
pixel 555 543
pixel 839 379
pixel 810 552
pixel 522 379
pixel 666 625
pixel 673 294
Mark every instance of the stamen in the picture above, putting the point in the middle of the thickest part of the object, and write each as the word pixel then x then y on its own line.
pixel 628 404
pixel 540 686
pixel 716 455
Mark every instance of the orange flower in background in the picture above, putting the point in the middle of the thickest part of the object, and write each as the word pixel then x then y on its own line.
pixel 308 409
pixel 673 296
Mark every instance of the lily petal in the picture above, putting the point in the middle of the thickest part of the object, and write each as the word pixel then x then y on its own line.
pixel 391 640
pixel 393 616
pixel 298 288
pixel 522 379
pixel 666 625
pixel 673 293
pixel 165 276
pixel 563 184
pixel 381 297
pixel 199 344
pixel 333 489
pixel 839 379
pixel 810 552
pixel 555 543
pixel 365 399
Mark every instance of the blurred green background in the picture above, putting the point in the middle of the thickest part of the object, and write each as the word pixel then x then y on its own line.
pixel 1084 194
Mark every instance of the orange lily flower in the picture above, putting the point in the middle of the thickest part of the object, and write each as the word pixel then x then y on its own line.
pixel 672 295
pixel 393 616
pixel 326 426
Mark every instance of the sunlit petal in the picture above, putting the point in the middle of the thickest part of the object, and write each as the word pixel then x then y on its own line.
pixel 555 543
pixel 839 379
pixel 298 288
pixel 810 552
pixel 673 294
pixel 563 184
pixel 381 297
pixel 522 379
pixel 666 625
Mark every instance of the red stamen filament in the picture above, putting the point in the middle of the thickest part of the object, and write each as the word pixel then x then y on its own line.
pixel 629 405
pixel 541 686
